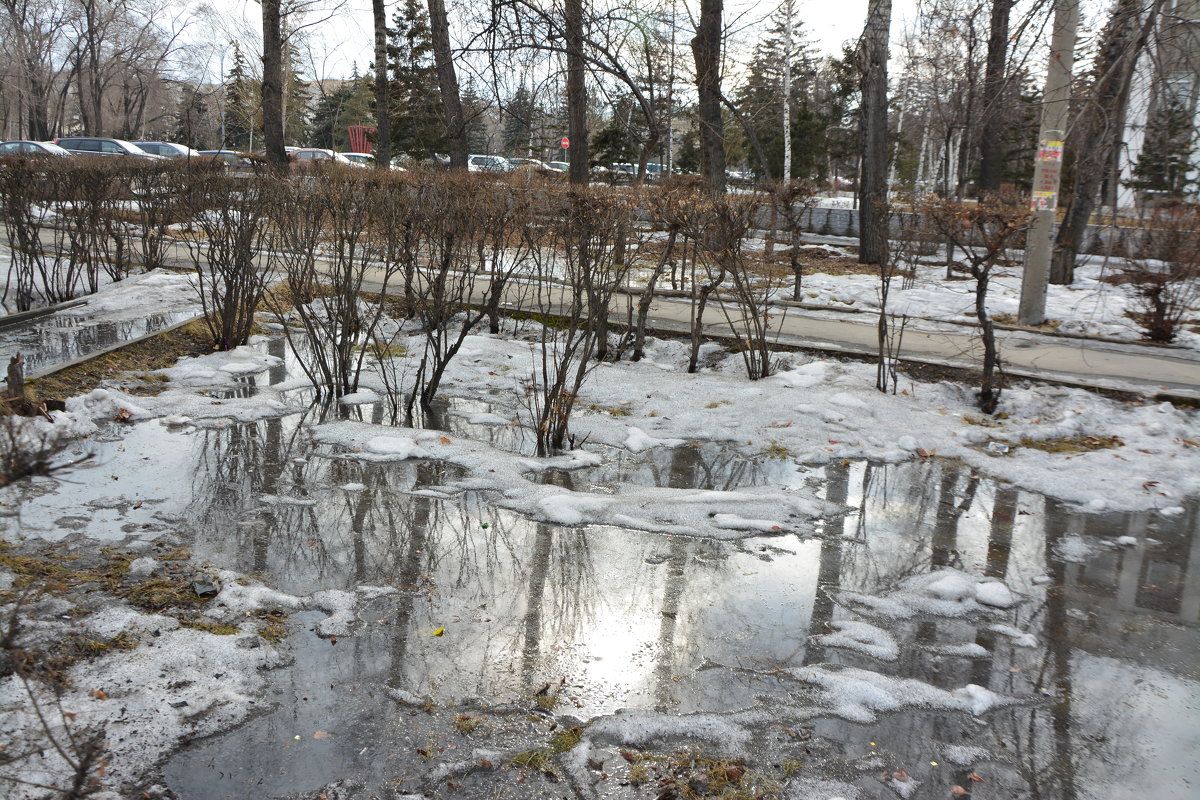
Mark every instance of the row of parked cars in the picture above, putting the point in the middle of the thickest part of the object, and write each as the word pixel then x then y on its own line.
pixel 301 158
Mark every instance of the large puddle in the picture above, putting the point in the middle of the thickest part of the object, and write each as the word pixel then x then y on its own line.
pixel 1102 655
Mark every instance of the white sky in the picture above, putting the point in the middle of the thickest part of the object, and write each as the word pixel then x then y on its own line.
pixel 346 36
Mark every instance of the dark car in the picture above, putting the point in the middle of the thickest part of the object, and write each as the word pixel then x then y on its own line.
pixel 167 149
pixel 97 146
pixel 26 148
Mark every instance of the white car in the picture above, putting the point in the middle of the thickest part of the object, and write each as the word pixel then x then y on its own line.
pixel 362 159
pixel 481 163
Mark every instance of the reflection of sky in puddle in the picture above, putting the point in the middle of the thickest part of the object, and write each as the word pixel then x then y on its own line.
pixel 632 619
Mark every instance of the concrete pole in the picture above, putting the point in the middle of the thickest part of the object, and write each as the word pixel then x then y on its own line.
pixel 1047 165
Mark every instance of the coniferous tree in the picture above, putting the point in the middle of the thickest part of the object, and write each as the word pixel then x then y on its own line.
pixel 759 100
pixel 519 118
pixel 418 125
pixel 243 114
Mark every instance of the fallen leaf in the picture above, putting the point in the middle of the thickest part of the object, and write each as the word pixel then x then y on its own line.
pixel 333 640
pixel 901 775
pixel 438 632
pixel 138 504
pixel 99 694
pixel 975 777
pixel 123 415
pixel 628 756
pixel 1148 484
pixel 958 791
pixel 321 735
pixel 444 440
pixel 923 453
pixel 483 762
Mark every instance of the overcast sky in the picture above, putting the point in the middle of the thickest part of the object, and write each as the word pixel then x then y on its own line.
pixel 346 38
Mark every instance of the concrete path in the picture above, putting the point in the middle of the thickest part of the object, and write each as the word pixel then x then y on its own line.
pixel 1170 372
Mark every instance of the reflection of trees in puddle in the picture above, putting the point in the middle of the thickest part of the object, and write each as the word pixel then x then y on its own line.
pixel 660 608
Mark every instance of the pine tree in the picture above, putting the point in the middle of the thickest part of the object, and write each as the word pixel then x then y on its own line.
pixel 759 100
pixel 417 124
pixel 243 112
pixel 519 119
pixel 348 104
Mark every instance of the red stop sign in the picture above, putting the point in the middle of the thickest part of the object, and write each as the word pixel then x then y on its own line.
pixel 566 142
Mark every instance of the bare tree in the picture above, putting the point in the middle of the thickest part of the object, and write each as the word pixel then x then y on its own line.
pixel 990 150
pixel 873 134
pixel 443 58
pixel 984 231
pixel 706 51
pixel 1123 40
pixel 383 106
pixel 272 83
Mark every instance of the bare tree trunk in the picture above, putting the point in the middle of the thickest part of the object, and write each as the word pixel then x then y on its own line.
pixel 456 125
pixel 789 8
pixel 576 93
pixel 383 105
pixel 991 154
pixel 1123 40
pixel 872 211
pixel 272 84
pixel 706 50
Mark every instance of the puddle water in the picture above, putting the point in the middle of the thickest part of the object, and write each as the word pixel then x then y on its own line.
pixel 1107 677
pixel 50 341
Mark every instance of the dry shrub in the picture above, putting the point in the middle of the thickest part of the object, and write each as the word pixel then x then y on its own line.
pixel 1165 278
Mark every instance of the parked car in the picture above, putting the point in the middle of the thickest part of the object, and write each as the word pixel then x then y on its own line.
pixel 482 163
pixel 655 172
pixel 234 160
pixel 97 146
pixel 168 149
pixel 306 158
pixel 534 166
pixel 362 159
pixel 561 166
pixel 26 148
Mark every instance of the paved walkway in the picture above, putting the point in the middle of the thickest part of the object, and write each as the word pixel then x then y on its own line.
pixel 1154 370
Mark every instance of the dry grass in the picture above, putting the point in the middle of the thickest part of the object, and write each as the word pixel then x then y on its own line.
pixel 1072 444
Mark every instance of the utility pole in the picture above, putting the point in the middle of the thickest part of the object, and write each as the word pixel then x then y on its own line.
pixel 1047 165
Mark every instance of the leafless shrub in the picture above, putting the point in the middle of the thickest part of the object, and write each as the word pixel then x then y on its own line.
pixel 792 200
pixel 328 259
pixel 40 271
pixel 900 259
pixel 470 241
pixel 235 257
pixel 984 231
pixel 80 751
pixel 1165 279
pixel 576 275
pixel 717 227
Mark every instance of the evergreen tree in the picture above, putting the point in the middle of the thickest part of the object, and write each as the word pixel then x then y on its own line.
pixel 295 93
pixel 475 112
pixel 243 111
pixel 1167 159
pixel 348 104
pixel 759 100
pixel 619 141
pixel 519 119
pixel 416 102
